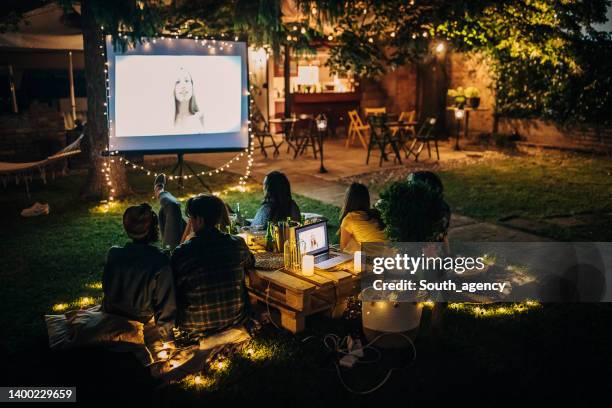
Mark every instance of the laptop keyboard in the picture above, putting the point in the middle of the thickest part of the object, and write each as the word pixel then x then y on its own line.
pixel 324 257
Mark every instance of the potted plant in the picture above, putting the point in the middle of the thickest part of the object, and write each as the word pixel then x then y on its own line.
pixel 457 96
pixel 473 97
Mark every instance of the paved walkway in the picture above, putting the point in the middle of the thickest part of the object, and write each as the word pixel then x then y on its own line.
pixel 342 162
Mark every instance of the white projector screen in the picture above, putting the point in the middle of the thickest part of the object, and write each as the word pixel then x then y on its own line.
pixel 178 95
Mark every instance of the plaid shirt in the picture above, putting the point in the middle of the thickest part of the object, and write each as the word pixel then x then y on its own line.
pixel 209 276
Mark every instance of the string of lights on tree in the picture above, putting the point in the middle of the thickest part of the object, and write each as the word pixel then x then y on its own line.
pixel 111 155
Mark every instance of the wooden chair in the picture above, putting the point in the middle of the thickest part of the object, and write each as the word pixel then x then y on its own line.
pixel 424 136
pixel 405 132
pixel 357 129
pixel 374 111
pixel 261 130
pixel 406 116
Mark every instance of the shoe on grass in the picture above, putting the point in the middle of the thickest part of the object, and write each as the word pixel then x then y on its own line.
pixel 36 210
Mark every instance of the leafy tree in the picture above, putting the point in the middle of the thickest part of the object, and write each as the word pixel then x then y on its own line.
pixel 547 58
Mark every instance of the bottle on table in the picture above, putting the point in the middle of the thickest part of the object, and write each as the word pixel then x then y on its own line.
pixel 269 238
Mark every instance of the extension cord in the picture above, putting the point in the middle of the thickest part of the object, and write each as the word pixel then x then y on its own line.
pixel 356 349
pixel 334 344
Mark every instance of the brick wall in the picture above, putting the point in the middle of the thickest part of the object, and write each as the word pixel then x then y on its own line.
pixel 473 70
pixel 400 86
pixel 548 134
pixel 31 135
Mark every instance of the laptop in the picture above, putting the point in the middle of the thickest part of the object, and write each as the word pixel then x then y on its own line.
pixel 315 237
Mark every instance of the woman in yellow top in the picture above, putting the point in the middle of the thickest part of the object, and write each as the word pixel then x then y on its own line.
pixel 358 222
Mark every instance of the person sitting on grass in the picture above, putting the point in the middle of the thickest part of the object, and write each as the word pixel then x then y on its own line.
pixel 358 222
pixel 137 281
pixel 209 271
pixel 171 221
pixel 277 205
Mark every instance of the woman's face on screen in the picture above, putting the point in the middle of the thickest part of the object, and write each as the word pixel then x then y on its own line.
pixel 183 88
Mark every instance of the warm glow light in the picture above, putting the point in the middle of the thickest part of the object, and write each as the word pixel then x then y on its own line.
pixel 85 301
pixel 357 261
pixel 308 265
pixel 95 285
pixel 60 307
pixel 440 47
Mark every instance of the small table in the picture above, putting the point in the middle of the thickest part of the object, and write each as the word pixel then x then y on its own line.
pixel 288 125
pixel 296 296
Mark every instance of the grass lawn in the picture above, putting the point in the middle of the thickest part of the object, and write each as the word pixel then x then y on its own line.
pixel 56 261
pixel 538 188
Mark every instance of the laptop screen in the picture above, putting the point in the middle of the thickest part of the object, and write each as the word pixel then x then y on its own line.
pixel 314 237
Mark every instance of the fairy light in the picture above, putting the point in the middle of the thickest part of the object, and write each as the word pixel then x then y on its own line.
pixel 108 161
pixel 109 157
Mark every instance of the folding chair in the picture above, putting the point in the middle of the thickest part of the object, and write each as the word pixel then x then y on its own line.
pixel 424 136
pixel 381 136
pixel 408 117
pixel 262 132
pixel 405 130
pixel 357 129
pixel 304 136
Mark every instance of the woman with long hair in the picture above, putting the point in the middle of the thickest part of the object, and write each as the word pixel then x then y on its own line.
pixel 277 205
pixel 358 221
pixel 187 115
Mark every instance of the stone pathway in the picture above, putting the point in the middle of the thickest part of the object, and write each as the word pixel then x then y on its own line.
pixel 344 164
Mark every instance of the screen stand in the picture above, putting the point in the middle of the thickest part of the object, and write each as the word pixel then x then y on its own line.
pixel 178 171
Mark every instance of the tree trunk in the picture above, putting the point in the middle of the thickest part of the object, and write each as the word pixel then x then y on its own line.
pixel 96 130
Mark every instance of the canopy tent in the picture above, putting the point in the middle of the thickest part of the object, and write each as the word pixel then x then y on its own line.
pixel 46 38
pixel 47 28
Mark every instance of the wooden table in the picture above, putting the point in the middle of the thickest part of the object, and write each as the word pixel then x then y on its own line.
pixel 288 125
pixel 296 296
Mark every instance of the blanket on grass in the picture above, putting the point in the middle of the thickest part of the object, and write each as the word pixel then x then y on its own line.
pixel 94 328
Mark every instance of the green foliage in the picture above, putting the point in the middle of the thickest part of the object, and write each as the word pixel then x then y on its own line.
pixel 548 59
pixel 412 212
pixel 472 92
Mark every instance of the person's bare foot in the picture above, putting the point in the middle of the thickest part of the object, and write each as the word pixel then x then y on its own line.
pixel 159 184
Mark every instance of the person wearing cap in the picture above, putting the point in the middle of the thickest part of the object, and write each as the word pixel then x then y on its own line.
pixel 209 271
pixel 137 281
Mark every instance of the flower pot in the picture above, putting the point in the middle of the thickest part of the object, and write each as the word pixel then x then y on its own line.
pixel 460 101
pixel 389 321
pixel 474 102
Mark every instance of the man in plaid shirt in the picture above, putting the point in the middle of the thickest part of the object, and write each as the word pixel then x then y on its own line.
pixel 209 271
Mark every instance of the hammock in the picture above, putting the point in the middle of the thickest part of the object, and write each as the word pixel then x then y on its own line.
pixel 24 171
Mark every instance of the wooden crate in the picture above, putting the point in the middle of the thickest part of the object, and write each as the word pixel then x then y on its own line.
pixel 290 319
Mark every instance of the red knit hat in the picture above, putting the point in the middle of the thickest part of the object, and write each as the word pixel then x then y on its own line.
pixel 138 220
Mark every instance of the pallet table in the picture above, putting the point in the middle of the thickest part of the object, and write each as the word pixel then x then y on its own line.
pixel 296 296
